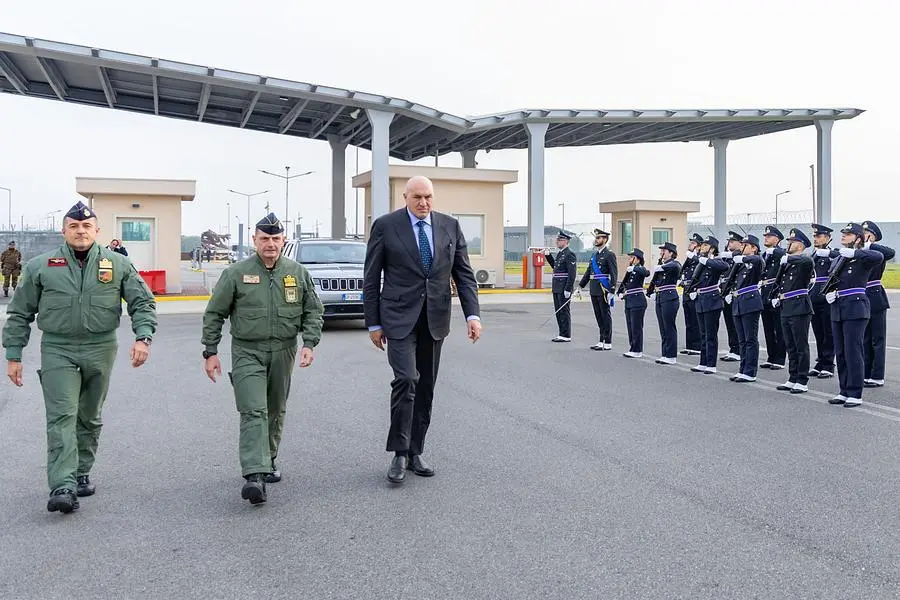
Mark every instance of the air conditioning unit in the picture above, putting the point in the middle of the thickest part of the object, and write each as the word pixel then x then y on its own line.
pixel 486 277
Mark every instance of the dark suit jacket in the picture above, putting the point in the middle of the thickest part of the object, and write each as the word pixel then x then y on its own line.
pixel 393 252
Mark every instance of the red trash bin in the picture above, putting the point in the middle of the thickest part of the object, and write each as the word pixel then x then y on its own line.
pixel 156 280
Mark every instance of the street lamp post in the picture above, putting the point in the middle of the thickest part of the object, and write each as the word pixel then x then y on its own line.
pixel 52 215
pixel 9 192
pixel 248 196
pixel 776 203
pixel 563 206
pixel 287 179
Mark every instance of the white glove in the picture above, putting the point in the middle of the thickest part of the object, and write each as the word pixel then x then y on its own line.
pixel 775 302
pixel 847 252
pixel 693 295
pixel 546 251
pixel 691 254
pixel 567 294
pixel 784 259
pixel 867 245
pixel 728 298
pixel 823 252
pixel 769 251
pixel 621 296
pixel 830 297
pixel 658 269
pixel 739 258
pixel 703 260
pixel 630 268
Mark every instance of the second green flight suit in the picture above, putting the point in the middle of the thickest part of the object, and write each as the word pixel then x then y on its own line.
pixel 78 307
pixel 267 310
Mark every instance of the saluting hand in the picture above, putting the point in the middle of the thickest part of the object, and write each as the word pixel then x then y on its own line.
pixel 140 352
pixel 14 372
pixel 306 357
pixel 212 367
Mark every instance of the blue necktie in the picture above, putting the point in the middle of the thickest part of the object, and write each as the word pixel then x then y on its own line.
pixel 424 247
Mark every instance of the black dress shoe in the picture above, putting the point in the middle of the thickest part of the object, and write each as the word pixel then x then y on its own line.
pixel 397 471
pixel 63 500
pixel 421 468
pixel 275 475
pixel 85 487
pixel 255 488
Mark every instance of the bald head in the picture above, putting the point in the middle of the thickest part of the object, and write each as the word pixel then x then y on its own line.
pixel 419 195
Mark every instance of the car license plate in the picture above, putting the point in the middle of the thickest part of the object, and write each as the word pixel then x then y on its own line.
pixel 352 297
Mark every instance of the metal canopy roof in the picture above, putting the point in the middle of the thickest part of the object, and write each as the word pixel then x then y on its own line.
pixel 82 75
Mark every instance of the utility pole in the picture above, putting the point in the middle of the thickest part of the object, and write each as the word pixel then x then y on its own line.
pixel 9 192
pixel 812 186
pixel 287 179
pixel 248 196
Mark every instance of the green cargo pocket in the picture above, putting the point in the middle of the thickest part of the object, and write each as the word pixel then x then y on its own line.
pixel 104 312
pixel 55 315
pixel 250 324
pixel 288 325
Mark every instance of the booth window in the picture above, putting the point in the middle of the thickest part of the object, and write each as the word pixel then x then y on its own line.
pixel 626 234
pixel 135 231
pixel 661 236
pixel 473 229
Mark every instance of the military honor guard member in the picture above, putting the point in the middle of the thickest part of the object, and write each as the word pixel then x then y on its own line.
pixel 846 293
pixel 76 292
pixel 876 331
pixel 742 293
pixel 771 317
pixel 270 301
pixel 602 272
pixel 564 274
pixel 821 319
pixel 791 293
pixel 691 325
pixel 631 291
pixel 663 287
pixel 706 294
pixel 735 246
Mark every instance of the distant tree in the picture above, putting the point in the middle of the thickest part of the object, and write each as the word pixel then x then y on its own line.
pixel 209 239
pixel 189 242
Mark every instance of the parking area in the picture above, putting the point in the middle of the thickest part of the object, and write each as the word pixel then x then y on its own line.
pixel 561 473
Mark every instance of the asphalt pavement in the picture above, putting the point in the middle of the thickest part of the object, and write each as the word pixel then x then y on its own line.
pixel 561 473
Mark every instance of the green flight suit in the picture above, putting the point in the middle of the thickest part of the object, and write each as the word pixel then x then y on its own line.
pixel 267 310
pixel 78 310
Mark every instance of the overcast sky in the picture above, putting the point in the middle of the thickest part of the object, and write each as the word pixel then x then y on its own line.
pixel 471 58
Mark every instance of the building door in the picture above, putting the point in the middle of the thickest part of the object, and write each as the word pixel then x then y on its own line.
pixel 659 236
pixel 138 237
pixel 626 236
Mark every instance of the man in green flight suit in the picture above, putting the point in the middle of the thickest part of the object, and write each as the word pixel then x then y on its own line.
pixel 269 300
pixel 76 292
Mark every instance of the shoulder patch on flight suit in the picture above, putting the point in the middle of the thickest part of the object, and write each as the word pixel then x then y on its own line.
pixel 57 262
pixel 290 289
pixel 105 270
pixel 251 278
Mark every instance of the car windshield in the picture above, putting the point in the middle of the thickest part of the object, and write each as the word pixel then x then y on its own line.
pixel 319 253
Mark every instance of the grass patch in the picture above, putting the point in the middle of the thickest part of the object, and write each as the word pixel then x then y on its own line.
pixel 891 277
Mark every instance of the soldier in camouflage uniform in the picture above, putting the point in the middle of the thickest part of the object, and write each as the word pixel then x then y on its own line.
pixel 269 300
pixel 11 267
pixel 76 292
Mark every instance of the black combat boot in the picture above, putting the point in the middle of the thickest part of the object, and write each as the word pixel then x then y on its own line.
pixel 62 500
pixel 85 487
pixel 275 475
pixel 255 488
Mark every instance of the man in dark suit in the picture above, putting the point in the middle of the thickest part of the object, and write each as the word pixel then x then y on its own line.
pixel 564 273
pixel 417 251
pixel 791 292
pixel 876 330
pixel 602 272
pixel 771 315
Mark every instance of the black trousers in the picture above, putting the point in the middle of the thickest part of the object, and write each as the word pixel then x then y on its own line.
pixel 734 343
pixel 821 326
pixel 691 325
pixel 849 354
pixel 634 321
pixel 564 316
pixel 796 343
pixel 747 326
pixel 604 318
pixel 875 340
pixel 709 337
pixel 666 314
pixel 415 360
pixel 775 352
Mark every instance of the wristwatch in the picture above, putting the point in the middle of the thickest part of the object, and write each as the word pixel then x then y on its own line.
pixel 146 340
pixel 207 354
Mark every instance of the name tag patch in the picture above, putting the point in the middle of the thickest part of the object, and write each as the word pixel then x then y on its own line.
pixel 251 278
pixel 57 262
